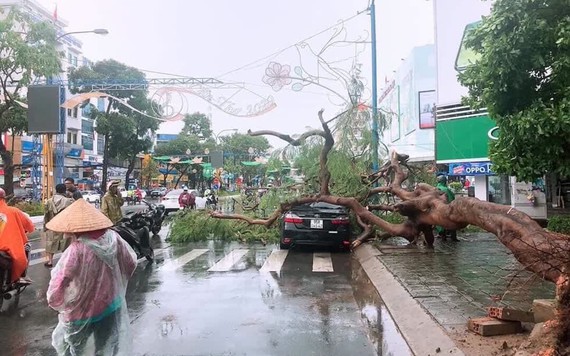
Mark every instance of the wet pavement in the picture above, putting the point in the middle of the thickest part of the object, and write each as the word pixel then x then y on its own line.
pixel 218 298
pixel 458 280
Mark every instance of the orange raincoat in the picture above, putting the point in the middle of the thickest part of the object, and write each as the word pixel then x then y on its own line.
pixel 13 237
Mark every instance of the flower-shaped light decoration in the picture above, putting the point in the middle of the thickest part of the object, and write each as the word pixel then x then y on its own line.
pixel 277 76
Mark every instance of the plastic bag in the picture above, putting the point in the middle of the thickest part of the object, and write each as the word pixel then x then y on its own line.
pixel 87 288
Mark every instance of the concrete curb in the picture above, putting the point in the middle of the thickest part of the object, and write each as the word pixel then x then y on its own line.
pixel 423 334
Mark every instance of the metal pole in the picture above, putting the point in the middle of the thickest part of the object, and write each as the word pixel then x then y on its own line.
pixel 374 89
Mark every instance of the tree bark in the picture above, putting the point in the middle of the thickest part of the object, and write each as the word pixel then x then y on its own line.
pixel 8 165
pixel 130 168
pixel 106 152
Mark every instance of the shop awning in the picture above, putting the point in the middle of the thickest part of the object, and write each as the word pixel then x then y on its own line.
pixel 250 163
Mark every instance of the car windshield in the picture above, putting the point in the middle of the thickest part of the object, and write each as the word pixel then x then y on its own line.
pixel 318 205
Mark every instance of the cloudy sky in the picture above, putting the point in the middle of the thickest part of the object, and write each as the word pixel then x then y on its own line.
pixel 235 40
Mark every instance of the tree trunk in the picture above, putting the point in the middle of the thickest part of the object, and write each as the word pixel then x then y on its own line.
pixel 8 165
pixel 130 168
pixel 180 176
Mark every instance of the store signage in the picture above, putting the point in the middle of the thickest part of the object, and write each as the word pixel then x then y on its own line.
pixel 471 169
pixel 493 133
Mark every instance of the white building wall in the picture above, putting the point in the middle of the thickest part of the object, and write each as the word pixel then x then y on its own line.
pixel 399 100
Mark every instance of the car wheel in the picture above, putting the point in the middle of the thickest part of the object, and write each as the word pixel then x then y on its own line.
pixel 283 246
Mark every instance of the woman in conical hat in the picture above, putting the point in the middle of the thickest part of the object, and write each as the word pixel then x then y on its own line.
pixel 89 282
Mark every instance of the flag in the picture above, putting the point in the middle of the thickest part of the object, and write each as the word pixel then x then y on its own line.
pixel 55 13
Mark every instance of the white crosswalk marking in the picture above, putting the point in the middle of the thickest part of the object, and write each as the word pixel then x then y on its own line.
pixel 275 261
pixel 226 263
pixel 322 262
pixel 184 259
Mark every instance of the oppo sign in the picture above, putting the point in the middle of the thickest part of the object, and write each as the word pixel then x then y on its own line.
pixel 493 133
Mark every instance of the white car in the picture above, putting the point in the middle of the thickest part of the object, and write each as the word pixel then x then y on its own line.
pixel 91 196
pixel 170 200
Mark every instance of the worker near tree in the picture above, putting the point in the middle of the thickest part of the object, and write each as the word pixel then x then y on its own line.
pixel 450 196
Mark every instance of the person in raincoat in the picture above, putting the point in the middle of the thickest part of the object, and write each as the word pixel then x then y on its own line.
pixel 54 240
pixel 14 225
pixel 442 186
pixel 89 283
pixel 112 202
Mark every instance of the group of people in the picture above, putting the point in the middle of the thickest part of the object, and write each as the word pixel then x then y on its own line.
pixel 88 284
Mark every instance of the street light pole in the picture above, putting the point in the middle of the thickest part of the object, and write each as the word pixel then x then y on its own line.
pixel 374 89
pixel 97 31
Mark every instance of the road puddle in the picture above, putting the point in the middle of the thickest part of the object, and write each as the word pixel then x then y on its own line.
pixel 382 330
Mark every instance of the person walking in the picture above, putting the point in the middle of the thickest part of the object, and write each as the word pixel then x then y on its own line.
pixel 14 225
pixel 88 284
pixel 112 202
pixel 54 240
pixel 442 186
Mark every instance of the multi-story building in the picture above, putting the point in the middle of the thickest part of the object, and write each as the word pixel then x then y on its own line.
pixel 462 135
pixel 407 102
pixel 83 147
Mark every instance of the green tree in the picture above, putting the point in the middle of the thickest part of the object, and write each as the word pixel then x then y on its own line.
pixel 197 124
pixel 522 77
pixel 126 132
pixel 27 51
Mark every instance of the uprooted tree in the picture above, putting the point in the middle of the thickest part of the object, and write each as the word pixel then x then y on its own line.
pixel 545 253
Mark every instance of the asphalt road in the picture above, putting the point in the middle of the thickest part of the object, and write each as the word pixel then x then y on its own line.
pixel 217 298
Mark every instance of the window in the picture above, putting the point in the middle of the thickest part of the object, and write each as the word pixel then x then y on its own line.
pixel 499 189
pixel 72 137
pixel 75 112
pixel 69 112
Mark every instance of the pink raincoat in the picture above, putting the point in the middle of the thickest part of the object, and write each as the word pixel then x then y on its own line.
pixel 89 283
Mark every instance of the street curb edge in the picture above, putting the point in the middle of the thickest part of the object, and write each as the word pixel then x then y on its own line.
pixel 423 334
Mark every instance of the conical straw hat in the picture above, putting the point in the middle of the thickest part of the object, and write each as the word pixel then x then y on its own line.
pixel 79 217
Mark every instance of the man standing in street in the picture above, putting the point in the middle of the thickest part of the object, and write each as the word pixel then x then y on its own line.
pixel 14 225
pixel 72 191
pixel 55 241
pixel 112 202
pixel 442 186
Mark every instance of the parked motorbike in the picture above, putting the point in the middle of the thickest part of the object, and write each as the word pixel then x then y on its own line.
pixel 156 214
pixel 135 230
pixel 8 289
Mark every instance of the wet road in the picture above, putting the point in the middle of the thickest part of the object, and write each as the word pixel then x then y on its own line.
pixel 216 298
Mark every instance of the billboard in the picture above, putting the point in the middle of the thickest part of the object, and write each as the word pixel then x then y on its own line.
pixel 471 169
pixel 453 20
pixel 463 140
pixel 426 105
pixel 44 109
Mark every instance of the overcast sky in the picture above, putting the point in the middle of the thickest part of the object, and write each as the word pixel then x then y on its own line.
pixel 200 38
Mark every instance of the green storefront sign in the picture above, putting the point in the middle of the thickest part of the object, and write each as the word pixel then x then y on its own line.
pixel 463 140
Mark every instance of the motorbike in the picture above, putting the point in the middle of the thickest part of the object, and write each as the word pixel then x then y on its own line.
pixel 10 289
pixel 211 201
pixel 135 229
pixel 155 214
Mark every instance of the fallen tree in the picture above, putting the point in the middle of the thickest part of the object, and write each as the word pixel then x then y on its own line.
pixel 545 253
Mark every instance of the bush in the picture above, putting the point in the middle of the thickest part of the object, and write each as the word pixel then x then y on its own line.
pixel 32 209
pixel 559 224
pixel 199 226
pixel 456 187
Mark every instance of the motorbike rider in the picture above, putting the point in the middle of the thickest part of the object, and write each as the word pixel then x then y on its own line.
pixel 14 225
pixel 187 200
pixel 112 202
pixel 442 186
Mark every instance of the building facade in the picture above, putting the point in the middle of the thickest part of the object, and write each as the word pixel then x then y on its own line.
pixel 83 148
pixel 407 102
pixel 462 135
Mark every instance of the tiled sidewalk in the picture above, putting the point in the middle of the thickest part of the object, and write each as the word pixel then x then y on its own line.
pixel 458 280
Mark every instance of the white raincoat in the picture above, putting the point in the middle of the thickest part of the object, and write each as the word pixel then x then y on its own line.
pixel 87 288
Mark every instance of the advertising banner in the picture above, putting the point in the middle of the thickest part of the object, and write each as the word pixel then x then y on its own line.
pixel 471 169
